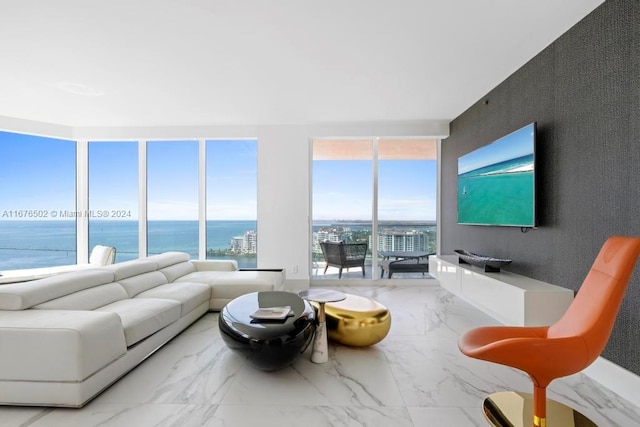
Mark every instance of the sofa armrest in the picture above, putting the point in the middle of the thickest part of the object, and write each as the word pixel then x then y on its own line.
pixel 215 265
pixel 58 345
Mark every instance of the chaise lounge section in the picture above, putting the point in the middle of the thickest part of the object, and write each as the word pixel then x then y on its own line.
pixel 68 337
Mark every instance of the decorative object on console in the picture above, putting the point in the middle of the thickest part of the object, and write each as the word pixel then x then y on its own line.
pixel 572 343
pixel 490 264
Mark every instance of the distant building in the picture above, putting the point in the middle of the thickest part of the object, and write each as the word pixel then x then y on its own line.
pixel 250 242
pixel 245 244
pixel 236 244
pixel 389 239
pixel 334 234
pixel 402 240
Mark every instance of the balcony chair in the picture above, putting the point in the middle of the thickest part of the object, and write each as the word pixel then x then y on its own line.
pixel 102 255
pixel 564 348
pixel 343 255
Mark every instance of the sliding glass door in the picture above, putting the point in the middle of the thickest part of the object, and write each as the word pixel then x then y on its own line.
pixel 342 199
pixel 406 205
pixel 381 191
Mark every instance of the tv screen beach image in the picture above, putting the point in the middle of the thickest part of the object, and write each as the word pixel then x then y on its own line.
pixel 496 183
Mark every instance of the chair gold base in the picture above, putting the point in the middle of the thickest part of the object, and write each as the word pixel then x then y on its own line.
pixel 515 409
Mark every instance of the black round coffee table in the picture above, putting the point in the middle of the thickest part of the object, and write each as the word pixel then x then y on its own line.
pixel 271 344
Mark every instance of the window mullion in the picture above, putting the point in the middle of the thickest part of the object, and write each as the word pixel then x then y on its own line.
pixel 142 198
pixel 82 201
pixel 374 216
pixel 202 199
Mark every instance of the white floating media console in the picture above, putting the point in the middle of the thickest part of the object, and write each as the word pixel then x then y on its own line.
pixel 507 297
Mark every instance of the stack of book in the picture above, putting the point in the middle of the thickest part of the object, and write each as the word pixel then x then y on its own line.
pixel 272 313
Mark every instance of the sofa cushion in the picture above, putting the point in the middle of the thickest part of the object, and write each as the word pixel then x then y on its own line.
pixel 28 274
pixel 190 295
pixel 58 345
pixel 208 277
pixel 221 294
pixel 275 279
pixel 166 259
pixel 216 264
pixel 142 282
pixel 176 271
pixel 142 317
pixel 87 299
pixel 122 270
pixel 20 296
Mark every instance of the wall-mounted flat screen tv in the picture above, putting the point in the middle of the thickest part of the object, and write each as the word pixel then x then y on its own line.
pixel 496 183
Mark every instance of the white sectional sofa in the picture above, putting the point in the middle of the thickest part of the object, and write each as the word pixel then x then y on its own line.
pixel 64 339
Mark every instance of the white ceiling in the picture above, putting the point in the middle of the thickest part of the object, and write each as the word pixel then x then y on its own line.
pixel 210 62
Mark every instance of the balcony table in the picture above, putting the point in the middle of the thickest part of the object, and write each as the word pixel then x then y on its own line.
pixel 404 254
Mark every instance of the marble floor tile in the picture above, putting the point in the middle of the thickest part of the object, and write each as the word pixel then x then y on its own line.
pixel 313 416
pixel 443 416
pixel 119 415
pixel 416 376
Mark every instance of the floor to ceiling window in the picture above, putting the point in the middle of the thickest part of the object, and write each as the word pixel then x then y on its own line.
pixel 341 199
pixel 231 183
pixel 172 197
pixel 378 191
pixel 212 214
pixel 37 201
pixel 113 197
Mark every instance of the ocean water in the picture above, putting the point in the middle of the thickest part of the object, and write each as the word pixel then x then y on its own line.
pixel 500 194
pixel 32 244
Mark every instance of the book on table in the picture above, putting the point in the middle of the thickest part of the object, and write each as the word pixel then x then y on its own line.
pixel 272 313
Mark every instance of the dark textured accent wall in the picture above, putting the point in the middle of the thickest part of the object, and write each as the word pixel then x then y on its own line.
pixel 584 93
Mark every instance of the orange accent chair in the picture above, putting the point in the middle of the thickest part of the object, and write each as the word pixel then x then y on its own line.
pixel 573 342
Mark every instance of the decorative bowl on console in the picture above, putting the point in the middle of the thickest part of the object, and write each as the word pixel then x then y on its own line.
pixel 490 264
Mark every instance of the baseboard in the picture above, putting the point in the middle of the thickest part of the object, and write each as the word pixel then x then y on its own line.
pixel 616 378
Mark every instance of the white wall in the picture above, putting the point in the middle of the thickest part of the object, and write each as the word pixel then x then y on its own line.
pixel 283 200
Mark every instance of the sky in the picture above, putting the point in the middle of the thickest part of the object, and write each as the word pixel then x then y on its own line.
pixel 343 190
pixel 40 176
pixel 172 180
pixel 512 146
pixel 37 174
